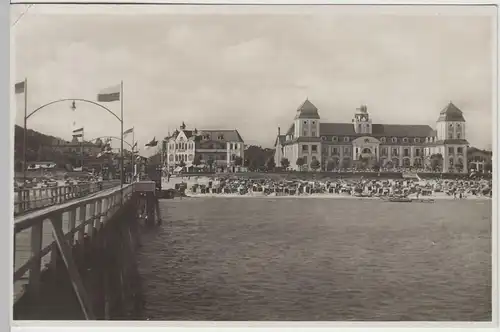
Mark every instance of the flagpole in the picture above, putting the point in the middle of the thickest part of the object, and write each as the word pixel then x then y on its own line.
pixel 25 126
pixel 81 149
pixel 121 141
pixel 133 155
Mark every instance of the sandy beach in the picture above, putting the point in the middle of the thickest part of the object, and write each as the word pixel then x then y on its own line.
pixel 204 181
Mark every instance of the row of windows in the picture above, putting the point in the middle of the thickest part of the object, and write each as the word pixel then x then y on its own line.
pixel 313 133
pixel 382 139
pixel 451 150
pixel 182 146
pixel 305 148
pixel 185 146
pixel 180 157
pixel 384 151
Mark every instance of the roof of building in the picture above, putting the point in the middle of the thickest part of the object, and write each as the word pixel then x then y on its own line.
pixel 221 135
pixel 451 141
pixel 451 113
pixel 390 130
pixel 307 111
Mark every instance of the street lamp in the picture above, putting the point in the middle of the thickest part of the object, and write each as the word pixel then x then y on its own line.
pixel 120 119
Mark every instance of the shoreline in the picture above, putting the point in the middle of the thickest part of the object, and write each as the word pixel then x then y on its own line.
pixel 336 196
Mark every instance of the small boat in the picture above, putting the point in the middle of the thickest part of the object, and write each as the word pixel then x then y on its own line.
pixel 399 199
pixel 427 200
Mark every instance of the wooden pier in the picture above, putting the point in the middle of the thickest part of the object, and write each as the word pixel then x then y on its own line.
pixel 26 200
pixel 76 260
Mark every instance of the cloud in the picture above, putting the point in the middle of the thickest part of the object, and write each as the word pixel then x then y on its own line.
pixel 250 72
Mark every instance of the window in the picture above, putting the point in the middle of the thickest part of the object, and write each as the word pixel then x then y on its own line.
pixel 406 152
pixel 346 139
pixel 450 150
pixel 347 151
pixel 221 136
pixel 450 135
pixel 305 160
pixel 314 148
pixel 417 140
pixel 405 140
pixel 450 125
pixel 314 122
pixel 458 135
pixel 305 148
pixel 384 151
pixel 460 150
pixel 394 140
pixel 313 134
pixel 417 152
pixel 382 139
pixel 305 122
pixel 395 152
pixel 236 146
pixel 304 133
pixel 335 151
pixel 323 138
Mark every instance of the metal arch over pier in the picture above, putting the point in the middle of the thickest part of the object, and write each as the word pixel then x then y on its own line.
pixel 90 272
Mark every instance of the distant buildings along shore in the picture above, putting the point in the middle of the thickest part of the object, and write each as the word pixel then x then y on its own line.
pixel 361 143
pixel 219 149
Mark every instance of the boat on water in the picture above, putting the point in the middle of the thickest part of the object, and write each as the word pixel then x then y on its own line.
pixel 400 200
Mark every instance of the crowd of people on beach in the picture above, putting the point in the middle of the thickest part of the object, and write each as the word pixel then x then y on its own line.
pixel 363 187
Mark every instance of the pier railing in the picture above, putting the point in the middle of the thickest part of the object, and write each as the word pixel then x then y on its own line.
pixel 73 225
pixel 26 200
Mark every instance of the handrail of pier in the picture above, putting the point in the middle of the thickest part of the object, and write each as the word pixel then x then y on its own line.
pixel 84 217
pixel 30 199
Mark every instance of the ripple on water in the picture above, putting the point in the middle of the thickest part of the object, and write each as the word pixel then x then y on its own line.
pixel 292 259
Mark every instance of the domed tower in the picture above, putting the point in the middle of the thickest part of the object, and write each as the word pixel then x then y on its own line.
pixel 362 122
pixel 307 120
pixel 450 124
pixel 452 143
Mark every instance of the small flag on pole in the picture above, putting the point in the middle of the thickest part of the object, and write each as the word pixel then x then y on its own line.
pixel 20 87
pixel 128 131
pixel 152 143
pixel 110 94
pixel 78 132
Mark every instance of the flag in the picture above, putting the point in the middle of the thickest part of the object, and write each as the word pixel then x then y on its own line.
pixel 78 132
pixel 153 142
pixel 110 94
pixel 20 87
pixel 134 146
pixel 128 131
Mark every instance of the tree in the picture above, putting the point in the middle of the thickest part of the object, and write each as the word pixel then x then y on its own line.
pixel 315 164
pixel 238 161
pixel 346 163
pixel 436 161
pixel 197 160
pixel 330 165
pixel 300 162
pixel 285 163
pixel 210 163
pixel 270 164
pixel 488 167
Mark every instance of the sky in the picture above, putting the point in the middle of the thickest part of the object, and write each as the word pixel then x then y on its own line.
pixel 237 69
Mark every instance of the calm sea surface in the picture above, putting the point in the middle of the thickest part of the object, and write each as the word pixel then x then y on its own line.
pixel 318 259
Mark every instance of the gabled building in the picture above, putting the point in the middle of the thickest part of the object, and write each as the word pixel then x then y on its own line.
pixel 390 145
pixel 219 147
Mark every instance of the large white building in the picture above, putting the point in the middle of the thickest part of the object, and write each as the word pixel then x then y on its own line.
pixel 220 148
pixel 342 145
